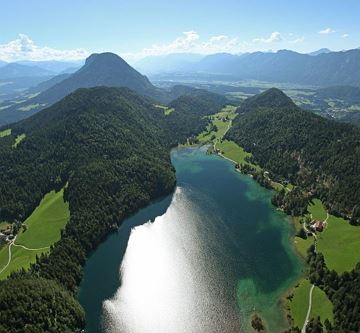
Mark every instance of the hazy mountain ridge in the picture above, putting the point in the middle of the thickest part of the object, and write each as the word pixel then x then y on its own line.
pixel 324 69
pixel 15 70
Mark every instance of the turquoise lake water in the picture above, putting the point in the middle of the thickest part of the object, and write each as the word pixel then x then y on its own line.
pixel 200 260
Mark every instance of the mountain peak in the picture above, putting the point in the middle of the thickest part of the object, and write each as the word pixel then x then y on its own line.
pixel 272 98
pixel 103 57
pixel 321 51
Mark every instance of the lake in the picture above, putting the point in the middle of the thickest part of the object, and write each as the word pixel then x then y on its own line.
pixel 201 260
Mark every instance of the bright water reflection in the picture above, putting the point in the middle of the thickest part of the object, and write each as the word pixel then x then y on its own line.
pixel 172 276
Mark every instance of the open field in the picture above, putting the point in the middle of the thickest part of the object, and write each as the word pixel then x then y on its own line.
pixel 302 245
pixel 18 139
pixel 6 132
pixel 166 109
pixel 4 255
pixel 339 243
pixel 222 121
pixel 317 210
pixel 233 151
pixel 321 305
pixel 43 229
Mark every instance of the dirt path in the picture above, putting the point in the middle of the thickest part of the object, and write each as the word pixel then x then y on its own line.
pixel 26 248
pixel 12 243
pixel 309 309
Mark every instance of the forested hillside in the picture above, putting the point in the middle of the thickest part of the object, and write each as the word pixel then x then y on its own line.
pixel 190 109
pixel 320 155
pixel 111 147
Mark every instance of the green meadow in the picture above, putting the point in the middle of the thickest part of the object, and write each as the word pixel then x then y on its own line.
pixel 43 228
pixel 18 139
pixel 321 305
pixel 338 234
pixel 6 132
pixel 166 109
pixel 317 210
pixel 233 151
pixel 339 243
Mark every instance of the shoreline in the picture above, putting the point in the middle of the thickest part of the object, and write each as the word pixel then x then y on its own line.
pixel 283 299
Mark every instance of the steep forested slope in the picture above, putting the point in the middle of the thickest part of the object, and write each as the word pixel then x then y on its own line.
pixel 111 147
pixel 319 154
pixel 107 144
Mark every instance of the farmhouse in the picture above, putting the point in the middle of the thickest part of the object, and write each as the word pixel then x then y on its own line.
pixel 317 225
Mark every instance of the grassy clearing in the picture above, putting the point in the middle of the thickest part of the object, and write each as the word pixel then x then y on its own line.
pixel 6 132
pixel 45 223
pixel 321 305
pixel 222 122
pixel 18 139
pixel 4 255
pixel 317 210
pixel 339 244
pixel 354 108
pixel 43 228
pixel 20 258
pixel 302 245
pixel 166 109
pixel 233 151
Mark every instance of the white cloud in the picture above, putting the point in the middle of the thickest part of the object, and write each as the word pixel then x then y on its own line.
pixel 274 37
pixel 297 40
pixel 326 31
pixel 184 43
pixel 345 35
pixel 190 41
pixel 23 48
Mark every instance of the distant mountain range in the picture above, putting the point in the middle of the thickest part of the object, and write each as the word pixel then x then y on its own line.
pixel 54 65
pixel 15 70
pixel 167 63
pixel 320 68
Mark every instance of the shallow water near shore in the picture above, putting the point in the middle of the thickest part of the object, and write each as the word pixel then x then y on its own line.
pixel 201 260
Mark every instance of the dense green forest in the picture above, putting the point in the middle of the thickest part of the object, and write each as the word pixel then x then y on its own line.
pixel 190 109
pixel 320 155
pixel 111 147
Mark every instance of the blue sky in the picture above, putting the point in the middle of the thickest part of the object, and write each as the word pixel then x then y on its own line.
pixel 137 28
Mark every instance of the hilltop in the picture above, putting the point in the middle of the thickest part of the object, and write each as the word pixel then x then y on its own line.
pixel 318 154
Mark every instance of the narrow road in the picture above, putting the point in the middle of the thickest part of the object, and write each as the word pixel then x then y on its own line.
pixel 12 243
pixel 26 248
pixel 309 309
